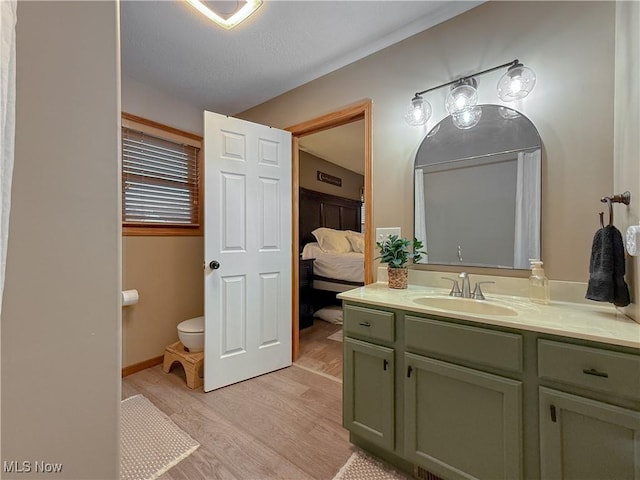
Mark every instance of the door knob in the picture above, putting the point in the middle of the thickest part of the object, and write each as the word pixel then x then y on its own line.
pixel 214 265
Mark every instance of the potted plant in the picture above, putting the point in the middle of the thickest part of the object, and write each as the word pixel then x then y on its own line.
pixel 394 251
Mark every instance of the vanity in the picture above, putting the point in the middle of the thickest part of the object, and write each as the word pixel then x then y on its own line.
pixel 496 389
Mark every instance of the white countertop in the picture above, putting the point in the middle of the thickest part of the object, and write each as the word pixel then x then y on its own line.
pixel 599 323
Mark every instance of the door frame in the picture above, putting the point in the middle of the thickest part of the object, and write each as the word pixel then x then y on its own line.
pixel 351 113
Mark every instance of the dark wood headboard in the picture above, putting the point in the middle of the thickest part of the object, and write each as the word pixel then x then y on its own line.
pixel 324 210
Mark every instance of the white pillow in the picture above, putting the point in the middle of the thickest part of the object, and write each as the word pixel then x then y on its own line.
pixel 356 239
pixel 331 314
pixel 332 241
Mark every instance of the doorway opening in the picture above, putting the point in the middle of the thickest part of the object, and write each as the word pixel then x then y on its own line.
pixel 359 112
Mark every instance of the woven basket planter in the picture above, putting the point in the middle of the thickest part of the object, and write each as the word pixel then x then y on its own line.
pixel 398 277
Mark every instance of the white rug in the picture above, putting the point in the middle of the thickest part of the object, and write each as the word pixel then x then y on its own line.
pixel 150 443
pixel 361 466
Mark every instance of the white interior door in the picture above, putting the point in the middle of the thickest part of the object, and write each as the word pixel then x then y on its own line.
pixel 248 233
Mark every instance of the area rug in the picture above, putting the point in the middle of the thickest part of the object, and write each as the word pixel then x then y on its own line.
pixel 361 466
pixel 150 443
pixel 337 336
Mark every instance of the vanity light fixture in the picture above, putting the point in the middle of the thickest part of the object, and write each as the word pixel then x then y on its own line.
pixel 467 118
pixel 232 21
pixel 516 83
pixel 463 95
pixel 462 100
pixel 419 111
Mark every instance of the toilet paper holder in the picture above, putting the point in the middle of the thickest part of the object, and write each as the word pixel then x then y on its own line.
pixel 130 297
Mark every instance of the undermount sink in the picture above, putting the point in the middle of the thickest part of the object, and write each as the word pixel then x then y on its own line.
pixel 465 305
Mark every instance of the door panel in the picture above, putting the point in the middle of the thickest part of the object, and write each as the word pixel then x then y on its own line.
pixel 248 231
pixel 369 391
pixel 233 210
pixel 462 423
pixel 583 439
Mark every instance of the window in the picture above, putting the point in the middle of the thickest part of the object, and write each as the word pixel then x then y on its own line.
pixel 161 174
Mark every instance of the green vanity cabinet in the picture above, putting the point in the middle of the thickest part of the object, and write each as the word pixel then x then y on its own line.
pixel 369 375
pixel 462 423
pixel 369 391
pixel 459 399
pixel 586 438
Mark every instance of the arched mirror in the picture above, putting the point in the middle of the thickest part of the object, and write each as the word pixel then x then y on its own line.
pixel 477 191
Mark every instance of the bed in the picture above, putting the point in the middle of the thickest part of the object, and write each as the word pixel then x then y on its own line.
pixel 334 269
pixel 336 272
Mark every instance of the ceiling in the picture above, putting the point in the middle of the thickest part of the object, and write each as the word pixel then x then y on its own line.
pixel 343 145
pixel 168 45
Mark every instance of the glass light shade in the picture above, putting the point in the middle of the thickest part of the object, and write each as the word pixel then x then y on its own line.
pixel 508 113
pixel 419 112
pixel 468 118
pixel 516 83
pixel 461 98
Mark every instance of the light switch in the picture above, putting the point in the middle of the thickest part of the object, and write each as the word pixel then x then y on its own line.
pixel 383 233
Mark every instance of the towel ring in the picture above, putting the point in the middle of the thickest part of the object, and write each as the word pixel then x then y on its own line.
pixel 608 200
pixel 621 198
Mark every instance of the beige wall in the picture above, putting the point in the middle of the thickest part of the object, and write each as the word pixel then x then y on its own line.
pixel 570 45
pixel 148 102
pixel 166 271
pixel 61 315
pixel 627 140
pixel 168 274
pixel 352 183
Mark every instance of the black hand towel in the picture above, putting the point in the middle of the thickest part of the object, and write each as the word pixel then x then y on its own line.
pixel 620 289
pixel 607 268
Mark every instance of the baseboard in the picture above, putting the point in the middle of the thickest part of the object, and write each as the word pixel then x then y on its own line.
pixel 137 367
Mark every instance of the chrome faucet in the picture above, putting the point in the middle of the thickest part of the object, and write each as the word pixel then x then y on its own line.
pixel 466 286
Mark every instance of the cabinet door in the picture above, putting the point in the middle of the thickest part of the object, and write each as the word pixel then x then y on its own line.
pixel 462 423
pixel 584 439
pixel 368 391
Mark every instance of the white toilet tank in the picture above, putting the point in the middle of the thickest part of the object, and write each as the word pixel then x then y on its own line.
pixel 191 334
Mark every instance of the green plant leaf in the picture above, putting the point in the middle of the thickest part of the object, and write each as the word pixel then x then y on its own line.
pixel 395 251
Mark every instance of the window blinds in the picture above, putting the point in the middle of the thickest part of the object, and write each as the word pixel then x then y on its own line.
pixel 159 180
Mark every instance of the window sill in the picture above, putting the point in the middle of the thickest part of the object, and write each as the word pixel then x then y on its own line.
pixel 146 231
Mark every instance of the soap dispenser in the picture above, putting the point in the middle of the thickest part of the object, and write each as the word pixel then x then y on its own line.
pixel 538 283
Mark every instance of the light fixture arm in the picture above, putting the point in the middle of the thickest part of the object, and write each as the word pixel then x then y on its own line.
pixel 511 64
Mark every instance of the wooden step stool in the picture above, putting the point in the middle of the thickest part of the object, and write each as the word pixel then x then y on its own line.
pixel 191 362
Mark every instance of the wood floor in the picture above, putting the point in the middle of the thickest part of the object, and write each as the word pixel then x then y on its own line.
pixel 319 353
pixel 279 426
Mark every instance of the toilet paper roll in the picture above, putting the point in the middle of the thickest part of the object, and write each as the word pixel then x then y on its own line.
pixel 129 297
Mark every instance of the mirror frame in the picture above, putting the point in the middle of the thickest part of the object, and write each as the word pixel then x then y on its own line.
pixel 468 146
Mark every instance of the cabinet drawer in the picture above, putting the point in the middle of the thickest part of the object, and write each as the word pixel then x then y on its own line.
pixel 477 345
pixel 369 323
pixel 592 368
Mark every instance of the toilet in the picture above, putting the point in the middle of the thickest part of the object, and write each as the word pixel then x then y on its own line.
pixel 191 334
